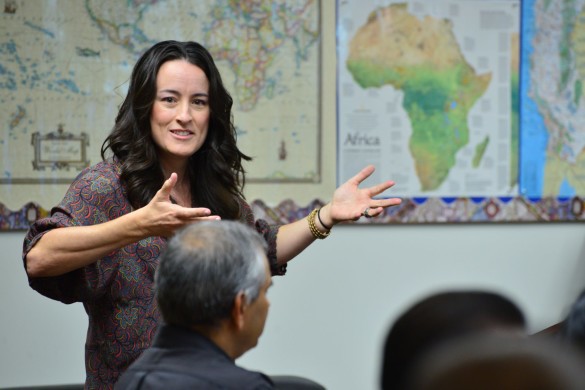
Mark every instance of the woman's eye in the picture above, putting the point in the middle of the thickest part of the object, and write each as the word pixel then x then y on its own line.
pixel 168 99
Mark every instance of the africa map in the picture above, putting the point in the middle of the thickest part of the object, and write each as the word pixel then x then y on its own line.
pixel 471 107
pixel 437 92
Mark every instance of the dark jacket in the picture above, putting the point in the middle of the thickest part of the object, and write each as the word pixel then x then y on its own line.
pixel 183 359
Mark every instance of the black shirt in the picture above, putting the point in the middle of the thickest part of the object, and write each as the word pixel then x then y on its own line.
pixel 183 359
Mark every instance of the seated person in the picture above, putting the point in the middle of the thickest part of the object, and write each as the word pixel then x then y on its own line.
pixel 571 330
pixel 496 361
pixel 211 288
pixel 439 318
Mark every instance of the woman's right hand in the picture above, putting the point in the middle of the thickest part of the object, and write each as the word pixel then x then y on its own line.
pixel 161 217
pixel 62 250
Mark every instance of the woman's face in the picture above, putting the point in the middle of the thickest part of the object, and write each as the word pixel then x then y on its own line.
pixel 180 114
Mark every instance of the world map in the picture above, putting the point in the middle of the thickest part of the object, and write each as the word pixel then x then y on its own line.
pixel 64 68
pixel 553 106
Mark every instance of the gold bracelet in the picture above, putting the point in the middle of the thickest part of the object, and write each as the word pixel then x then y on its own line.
pixel 316 232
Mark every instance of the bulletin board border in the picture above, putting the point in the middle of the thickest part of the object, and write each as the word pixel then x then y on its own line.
pixel 448 210
pixel 410 211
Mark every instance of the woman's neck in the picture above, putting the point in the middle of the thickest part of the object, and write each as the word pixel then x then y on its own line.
pixel 181 192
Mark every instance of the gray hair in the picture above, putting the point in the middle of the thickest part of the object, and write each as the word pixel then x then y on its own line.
pixel 204 267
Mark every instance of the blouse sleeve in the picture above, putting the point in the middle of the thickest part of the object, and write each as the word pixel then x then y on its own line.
pixel 269 232
pixel 94 197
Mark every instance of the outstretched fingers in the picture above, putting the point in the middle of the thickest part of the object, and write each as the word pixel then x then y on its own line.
pixel 362 175
pixel 389 202
pixel 378 205
pixel 380 187
pixel 165 191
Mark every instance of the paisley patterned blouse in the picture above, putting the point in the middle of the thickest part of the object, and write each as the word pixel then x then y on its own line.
pixel 117 290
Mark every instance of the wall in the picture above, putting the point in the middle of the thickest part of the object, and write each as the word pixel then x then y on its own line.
pixel 329 314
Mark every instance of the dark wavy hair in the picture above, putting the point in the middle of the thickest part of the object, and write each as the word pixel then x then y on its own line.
pixel 218 164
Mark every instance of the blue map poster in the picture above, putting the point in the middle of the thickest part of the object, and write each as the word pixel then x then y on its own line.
pixel 552 105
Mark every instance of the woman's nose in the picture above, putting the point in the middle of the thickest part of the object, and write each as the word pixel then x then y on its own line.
pixel 183 113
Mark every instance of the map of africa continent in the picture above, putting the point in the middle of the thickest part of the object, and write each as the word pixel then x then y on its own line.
pixel 65 65
pixel 427 99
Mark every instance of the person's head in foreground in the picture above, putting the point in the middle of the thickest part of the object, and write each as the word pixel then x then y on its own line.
pixel 497 361
pixel 213 278
pixel 439 318
pixel 211 287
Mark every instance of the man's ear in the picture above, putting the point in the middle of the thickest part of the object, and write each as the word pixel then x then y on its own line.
pixel 238 310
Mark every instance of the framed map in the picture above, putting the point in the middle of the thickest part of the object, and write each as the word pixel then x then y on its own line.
pixel 553 106
pixel 443 98
pixel 64 68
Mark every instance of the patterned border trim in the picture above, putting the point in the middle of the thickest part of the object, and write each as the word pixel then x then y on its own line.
pixel 449 210
pixel 20 219
pixel 411 211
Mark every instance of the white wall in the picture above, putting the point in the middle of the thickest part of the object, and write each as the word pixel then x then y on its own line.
pixel 330 313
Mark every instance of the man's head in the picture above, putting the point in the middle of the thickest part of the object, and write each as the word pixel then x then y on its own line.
pixel 440 318
pixel 213 277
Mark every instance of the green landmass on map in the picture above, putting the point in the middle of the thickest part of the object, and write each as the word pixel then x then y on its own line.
pixel 422 58
pixel 480 151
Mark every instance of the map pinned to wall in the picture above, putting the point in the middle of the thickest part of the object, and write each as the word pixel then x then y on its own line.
pixel 426 93
pixel 473 107
pixel 64 68
pixel 553 105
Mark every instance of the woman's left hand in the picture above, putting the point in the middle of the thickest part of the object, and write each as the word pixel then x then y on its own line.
pixel 350 202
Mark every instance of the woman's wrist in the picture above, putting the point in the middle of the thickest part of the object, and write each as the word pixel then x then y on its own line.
pixel 323 224
pixel 324 218
pixel 315 231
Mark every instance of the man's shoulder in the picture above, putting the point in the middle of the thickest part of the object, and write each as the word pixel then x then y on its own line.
pixel 237 377
pixel 158 378
pixel 195 364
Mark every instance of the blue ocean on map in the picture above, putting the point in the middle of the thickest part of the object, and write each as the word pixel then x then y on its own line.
pixel 566 190
pixel 533 132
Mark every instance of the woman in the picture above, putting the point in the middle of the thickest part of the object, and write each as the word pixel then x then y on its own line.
pixel 174 162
